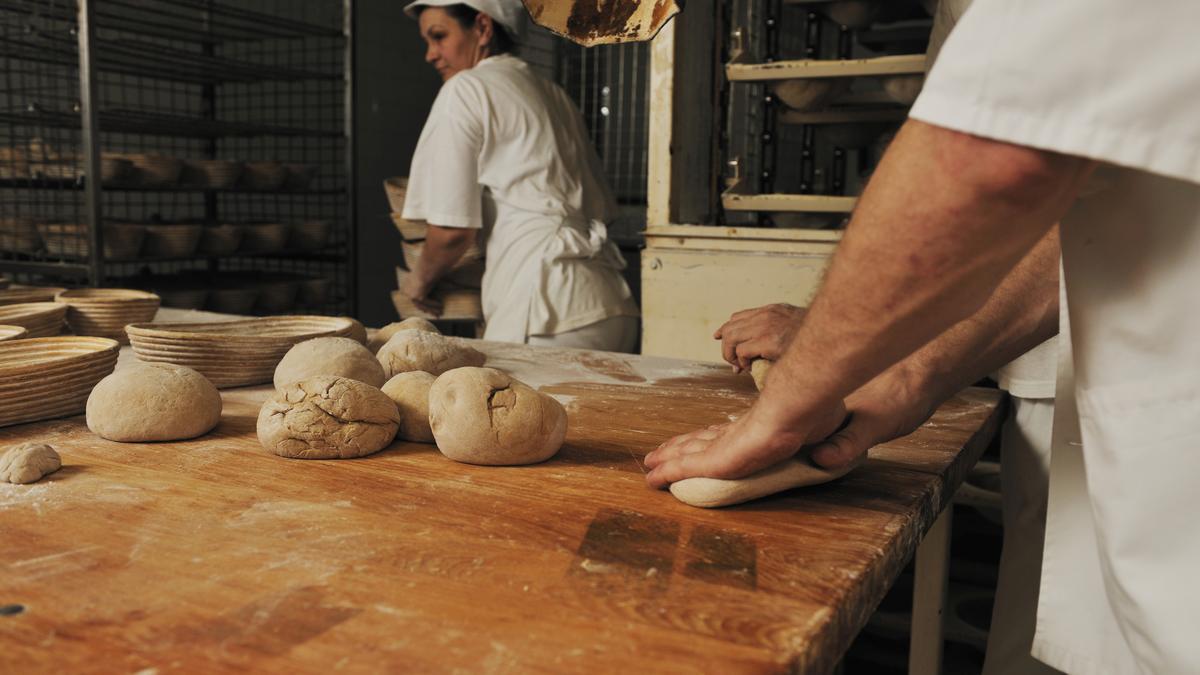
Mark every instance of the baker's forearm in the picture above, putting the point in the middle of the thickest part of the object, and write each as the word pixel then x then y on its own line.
pixel 945 218
pixel 1021 314
pixel 444 248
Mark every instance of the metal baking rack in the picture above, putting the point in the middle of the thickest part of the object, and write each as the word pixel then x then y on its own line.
pixel 253 81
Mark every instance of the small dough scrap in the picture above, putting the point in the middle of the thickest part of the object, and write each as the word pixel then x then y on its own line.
pixel 153 402
pixel 28 463
pixel 484 416
pixel 327 417
pixel 433 353
pixel 329 356
pixel 410 391
pixel 709 493
pixel 758 370
pixel 386 333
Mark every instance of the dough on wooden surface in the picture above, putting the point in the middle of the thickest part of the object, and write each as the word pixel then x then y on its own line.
pixel 329 356
pixel 153 402
pixel 28 463
pixel 433 353
pixel 758 370
pixel 327 417
pixel 386 333
pixel 484 416
pixel 796 472
pixel 410 392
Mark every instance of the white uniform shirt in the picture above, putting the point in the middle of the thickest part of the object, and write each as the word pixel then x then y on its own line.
pixel 1119 83
pixel 506 150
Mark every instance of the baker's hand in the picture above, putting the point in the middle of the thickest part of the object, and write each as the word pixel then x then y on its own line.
pixel 892 405
pixel 759 333
pixel 766 435
pixel 418 292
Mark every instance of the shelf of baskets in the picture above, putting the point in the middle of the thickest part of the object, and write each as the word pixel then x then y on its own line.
pixel 209 125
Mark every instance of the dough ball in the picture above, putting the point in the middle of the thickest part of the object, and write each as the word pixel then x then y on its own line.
pixel 28 462
pixel 358 332
pixel 709 493
pixel 433 353
pixel 386 333
pixel 329 356
pixel 327 417
pixel 483 416
pixel 410 392
pixel 758 370
pixel 153 402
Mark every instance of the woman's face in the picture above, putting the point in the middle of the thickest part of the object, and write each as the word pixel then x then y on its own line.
pixel 450 48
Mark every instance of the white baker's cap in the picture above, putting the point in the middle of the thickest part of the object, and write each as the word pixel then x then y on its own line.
pixel 507 13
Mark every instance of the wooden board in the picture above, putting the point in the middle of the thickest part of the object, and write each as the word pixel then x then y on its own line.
pixel 213 555
pixel 901 64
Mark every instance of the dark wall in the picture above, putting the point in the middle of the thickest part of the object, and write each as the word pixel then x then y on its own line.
pixel 394 89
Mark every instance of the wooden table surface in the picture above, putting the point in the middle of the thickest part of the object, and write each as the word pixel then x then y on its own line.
pixel 213 555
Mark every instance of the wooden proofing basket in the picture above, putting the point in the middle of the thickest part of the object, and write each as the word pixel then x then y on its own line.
pixel 232 353
pixel 44 378
pixel 104 312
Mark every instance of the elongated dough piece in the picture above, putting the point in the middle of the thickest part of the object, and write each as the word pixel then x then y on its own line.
pixel 711 493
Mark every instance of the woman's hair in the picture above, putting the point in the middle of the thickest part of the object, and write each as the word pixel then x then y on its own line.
pixel 502 42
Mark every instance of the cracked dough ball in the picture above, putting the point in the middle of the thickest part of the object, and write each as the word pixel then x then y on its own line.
pixel 483 416
pixel 327 417
pixel 386 333
pixel 410 392
pixel 433 353
pixel 329 356
pixel 153 402
pixel 28 463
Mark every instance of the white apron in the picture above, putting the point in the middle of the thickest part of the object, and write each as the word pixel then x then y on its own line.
pixel 1119 590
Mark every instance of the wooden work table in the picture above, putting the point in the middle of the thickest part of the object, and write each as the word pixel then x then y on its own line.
pixel 213 555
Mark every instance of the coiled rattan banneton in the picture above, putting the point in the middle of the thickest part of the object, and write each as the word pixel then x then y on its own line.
pixel 232 353
pixel 104 312
pixel 44 378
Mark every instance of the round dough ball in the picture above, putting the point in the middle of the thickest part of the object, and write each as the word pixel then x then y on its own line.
pixel 386 333
pixel 483 416
pixel 433 353
pixel 153 402
pixel 329 356
pixel 327 417
pixel 410 391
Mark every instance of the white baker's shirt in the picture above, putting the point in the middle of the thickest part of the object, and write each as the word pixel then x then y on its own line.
pixel 1117 82
pixel 506 150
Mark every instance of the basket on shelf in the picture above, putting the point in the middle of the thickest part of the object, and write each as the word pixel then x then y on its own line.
pixel 153 171
pixel 183 298
pixel 220 239
pixel 314 292
pixel 299 176
pixel 171 241
pixel 19 235
pixel 310 235
pixel 263 176
pixel 232 300
pixel 264 237
pixel 68 240
pixel 276 295
pixel 212 174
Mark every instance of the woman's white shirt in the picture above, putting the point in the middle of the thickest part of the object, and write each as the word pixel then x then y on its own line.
pixel 506 150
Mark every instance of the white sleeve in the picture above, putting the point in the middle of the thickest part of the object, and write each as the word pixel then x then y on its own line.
pixel 443 183
pixel 1102 79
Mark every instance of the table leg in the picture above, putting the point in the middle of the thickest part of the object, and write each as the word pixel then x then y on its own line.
pixel 929 598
